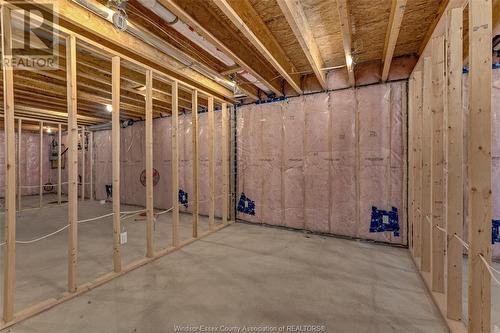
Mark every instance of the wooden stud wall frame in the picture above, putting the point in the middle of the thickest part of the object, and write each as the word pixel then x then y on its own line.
pixel 437 142
pixel 10 316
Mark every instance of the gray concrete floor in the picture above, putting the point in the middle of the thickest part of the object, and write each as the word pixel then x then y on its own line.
pixel 495 297
pixel 41 267
pixel 249 275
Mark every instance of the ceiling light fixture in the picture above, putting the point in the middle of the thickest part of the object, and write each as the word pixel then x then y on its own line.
pixel 349 60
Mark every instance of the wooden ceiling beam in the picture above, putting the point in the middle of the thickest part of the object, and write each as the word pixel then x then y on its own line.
pixel 201 18
pixel 345 27
pixel 31 83
pixel 294 14
pixel 247 20
pixel 391 36
pixel 49 114
pixel 79 20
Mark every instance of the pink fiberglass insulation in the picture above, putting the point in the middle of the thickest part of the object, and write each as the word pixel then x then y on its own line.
pixel 316 162
pixel 293 163
pixel 218 163
pixel 204 191
pixel 271 150
pixel 102 163
pixel 186 158
pixel 320 162
pixel 249 164
pixel 29 163
pixel 132 157
pixel 374 155
pixel 132 163
pixel 495 152
pixel 397 153
pixel 343 179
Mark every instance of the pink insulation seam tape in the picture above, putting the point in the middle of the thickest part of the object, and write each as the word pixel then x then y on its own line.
pixel 320 162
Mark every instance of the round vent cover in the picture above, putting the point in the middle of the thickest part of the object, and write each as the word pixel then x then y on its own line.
pixel 156 177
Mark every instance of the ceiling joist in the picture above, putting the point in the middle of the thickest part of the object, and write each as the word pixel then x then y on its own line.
pixel 82 21
pixel 294 14
pixel 247 20
pixel 200 17
pixel 345 27
pixel 391 37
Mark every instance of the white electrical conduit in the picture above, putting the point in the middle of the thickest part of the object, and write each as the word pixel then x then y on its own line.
pixel 123 215
pixel 489 267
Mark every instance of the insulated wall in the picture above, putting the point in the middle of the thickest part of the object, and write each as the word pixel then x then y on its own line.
pixel 29 162
pixel 321 162
pixel 132 162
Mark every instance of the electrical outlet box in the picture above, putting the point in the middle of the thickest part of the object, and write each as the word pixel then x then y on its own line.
pixel 123 237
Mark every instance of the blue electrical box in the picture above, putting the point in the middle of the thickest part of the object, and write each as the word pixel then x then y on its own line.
pixel 245 205
pixel 385 221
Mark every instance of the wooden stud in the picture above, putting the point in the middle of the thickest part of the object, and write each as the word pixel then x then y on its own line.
pixel 149 165
pixel 225 163
pixel 72 162
pixel 83 139
pixel 417 185
pixel 455 165
pixel 480 120
pixel 9 278
pixel 40 168
pixel 19 147
pixel 411 164
pixel 91 164
pixel 99 281
pixel 437 148
pixel 426 166
pixel 297 20
pixel 115 140
pixel 59 167
pixel 391 36
pixel 211 163
pixel 345 26
pixel 175 164
pixel 196 162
